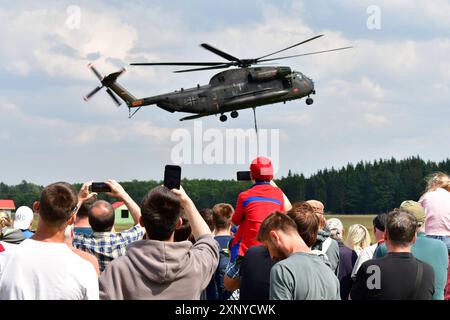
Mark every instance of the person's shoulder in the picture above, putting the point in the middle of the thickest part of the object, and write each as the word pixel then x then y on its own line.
pixel 300 258
pixel 75 255
pixel 426 266
pixel 280 266
pixel 206 239
pixel 244 194
pixel 81 237
pixel 334 244
pixel 343 248
pixel 256 250
pixel 368 252
pixel 133 229
pixel 86 256
pixel 373 262
pixel 433 243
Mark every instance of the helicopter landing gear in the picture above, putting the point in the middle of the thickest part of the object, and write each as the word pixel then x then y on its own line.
pixel 309 101
pixel 223 118
pixel 234 114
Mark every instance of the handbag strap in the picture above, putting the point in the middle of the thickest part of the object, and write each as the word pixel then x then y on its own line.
pixel 418 281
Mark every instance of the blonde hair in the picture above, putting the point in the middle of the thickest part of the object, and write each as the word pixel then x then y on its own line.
pixel 438 180
pixel 358 237
pixel 5 220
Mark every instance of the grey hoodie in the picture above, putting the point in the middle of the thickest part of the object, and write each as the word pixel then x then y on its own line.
pixel 154 269
pixel 10 235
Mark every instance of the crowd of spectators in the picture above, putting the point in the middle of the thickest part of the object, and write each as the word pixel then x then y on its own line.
pixel 263 248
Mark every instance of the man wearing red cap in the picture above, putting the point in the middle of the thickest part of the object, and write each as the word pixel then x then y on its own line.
pixel 252 207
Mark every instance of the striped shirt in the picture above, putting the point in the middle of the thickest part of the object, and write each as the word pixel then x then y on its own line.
pixel 106 246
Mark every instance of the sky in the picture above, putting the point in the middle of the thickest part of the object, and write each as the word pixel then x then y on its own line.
pixel 387 97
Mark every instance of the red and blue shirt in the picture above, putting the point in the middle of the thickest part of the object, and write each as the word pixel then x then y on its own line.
pixel 253 206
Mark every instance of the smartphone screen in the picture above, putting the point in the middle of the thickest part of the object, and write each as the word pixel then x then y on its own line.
pixel 100 187
pixel 243 176
pixel 172 177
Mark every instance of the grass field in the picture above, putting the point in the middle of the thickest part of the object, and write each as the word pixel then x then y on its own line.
pixel 347 220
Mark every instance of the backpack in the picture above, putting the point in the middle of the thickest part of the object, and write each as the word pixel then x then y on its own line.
pixel 224 257
pixel 325 246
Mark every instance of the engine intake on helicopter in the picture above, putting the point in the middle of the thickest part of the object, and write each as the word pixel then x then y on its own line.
pixel 268 74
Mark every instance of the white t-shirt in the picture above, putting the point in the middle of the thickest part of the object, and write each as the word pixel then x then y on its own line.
pixel 8 247
pixel 364 255
pixel 38 270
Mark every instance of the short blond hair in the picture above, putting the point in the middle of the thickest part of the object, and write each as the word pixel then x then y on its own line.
pixel 358 237
pixel 438 180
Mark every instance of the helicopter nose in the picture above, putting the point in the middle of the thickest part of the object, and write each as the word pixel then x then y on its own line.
pixel 310 84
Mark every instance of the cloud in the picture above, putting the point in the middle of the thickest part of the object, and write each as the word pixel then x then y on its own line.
pixel 376 120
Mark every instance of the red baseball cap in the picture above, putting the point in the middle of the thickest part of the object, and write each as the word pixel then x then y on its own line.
pixel 262 169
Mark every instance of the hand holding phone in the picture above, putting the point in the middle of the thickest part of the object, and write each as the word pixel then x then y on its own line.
pixel 172 177
pixel 100 187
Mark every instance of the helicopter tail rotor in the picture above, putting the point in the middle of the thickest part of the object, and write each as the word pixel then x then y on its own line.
pixel 109 82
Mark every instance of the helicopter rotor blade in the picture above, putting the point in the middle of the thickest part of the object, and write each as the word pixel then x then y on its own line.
pixel 116 100
pixel 304 54
pixel 222 66
pixel 224 55
pixel 90 94
pixel 97 74
pixel 177 64
pixel 290 47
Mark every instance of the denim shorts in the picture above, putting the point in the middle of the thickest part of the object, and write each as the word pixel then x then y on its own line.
pixel 445 239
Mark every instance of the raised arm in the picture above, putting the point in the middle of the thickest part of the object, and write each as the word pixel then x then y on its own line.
pixel 198 225
pixel 287 203
pixel 84 194
pixel 117 191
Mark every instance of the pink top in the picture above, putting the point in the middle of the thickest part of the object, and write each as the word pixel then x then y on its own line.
pixel 437 212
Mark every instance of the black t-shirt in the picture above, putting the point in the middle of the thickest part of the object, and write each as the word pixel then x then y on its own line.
pixel 255 274
pixel 396 281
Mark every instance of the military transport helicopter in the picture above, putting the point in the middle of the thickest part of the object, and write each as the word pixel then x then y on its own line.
pixel 228 91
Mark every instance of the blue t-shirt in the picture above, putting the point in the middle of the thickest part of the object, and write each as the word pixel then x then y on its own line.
pixel 223 241
pixel 431 251
pixel 87 231
pixel 27 233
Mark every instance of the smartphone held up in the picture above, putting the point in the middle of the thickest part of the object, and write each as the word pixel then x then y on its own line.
pixel 172 177
pixel 100 187
pixel 244 176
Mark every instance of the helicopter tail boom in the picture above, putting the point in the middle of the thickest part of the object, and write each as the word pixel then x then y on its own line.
pixel 113 88
pixel 123 93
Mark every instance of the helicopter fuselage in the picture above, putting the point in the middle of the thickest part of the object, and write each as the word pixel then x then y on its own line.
pixel 233 90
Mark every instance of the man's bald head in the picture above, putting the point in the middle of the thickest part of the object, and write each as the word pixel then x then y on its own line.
pixel 101 216
pixel 318 208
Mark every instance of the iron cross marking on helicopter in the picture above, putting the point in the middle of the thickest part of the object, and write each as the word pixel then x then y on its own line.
pixel 228 91
pixel 191 101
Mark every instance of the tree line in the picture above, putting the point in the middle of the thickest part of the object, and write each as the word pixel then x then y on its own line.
pixel 364 188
